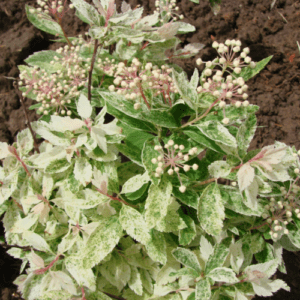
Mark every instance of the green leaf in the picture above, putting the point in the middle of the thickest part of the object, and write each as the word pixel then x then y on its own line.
pixel 88 12
pixel 42 21
pixel 187 234
pixel 42 60
pixel 189 197
pixel 36 241
pixel 245 134
pixel 219 169
pixel 24 141
pixel 135 183
pixel 203 291
pixel 101 242
pixel 148 154
pixel 157 202
pixel 135 282
pixel 134 224
pixel 146 280
pixel 248 72
pixel 211 210
pixel 219 256
pixel 217 132
pixel 223 274
pixel 84 277
pixel 161 118
pixel 156 247
pixel 57 166
pixel 187 258
pixel 202 139
pixel 185 272
pixel 171 221
pixel 206 249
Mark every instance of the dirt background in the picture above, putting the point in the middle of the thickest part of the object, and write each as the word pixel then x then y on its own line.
pixel 276 90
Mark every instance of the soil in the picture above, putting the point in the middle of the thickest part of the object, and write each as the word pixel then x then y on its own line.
pixel 276 90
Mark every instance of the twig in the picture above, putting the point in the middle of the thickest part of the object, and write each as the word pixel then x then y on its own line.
pixel 27 118
pixel 91 70
pixel 65 35
pixel 114 297
pixel 283 17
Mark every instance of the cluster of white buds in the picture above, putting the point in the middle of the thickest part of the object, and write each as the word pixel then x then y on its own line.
pixel 279 213
pixel 134 80
pixel 54 8
pixel 230 88
pixel 55 91
pixel 173 160
pixel 167 9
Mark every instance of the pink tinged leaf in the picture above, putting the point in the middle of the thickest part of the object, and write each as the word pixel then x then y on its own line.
pixel 125 7
pixel 245 176
pixel 110 11
pixel 168 30
pixel 37 260
pixel 100 8
pixel 103 187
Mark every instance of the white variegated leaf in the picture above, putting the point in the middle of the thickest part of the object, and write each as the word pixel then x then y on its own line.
pixel 245 176
pixel 134 224
pixel 84 107
pixel 36 241
pixel 62 124
pixel 135 183
pixel 223 274
pixel 135 282
pixel 206 249
pixel 219 169
pixel 83 170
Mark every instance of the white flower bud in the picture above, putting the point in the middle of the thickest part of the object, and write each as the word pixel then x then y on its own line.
pixel 286 231
pixel 225 121
pixel 222 60
pixel 159 170
pixel 222 104
pixel 160 158
pixel 243 55
pixel 160 164
pixel 296 171
pixel 157 175
pixel 216 93
pixel 228 95
pixel 181 147
pixel 154 160
pixel 206 85
pixel 111 88
pixel 176 169
pixel 215 44
pixel 237 70
pixel 246 103
pixel 170 172
pixel 207 72
pixel 247 59
pixel 195 167
pixel 246 50
pixel 252 64
pixel 199 61
pixel 71 6
pixel 275 235
pixel 238 103
pixel 186 157
pixel 199 89
pixel 288 214
pixel 236 49
pixel 245 96
pixel 137 106
pixel 186 168
pixel 171 142
pixel 297 210
pixel 182 189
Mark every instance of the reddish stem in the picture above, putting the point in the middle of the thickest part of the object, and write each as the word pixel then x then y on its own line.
pixel 144 97
pixel 43 270
pixel 13 150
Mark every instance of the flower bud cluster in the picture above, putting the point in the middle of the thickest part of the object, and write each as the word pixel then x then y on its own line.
pixel 54 8
pixel 167 9
pixel 134 80
pixel 278 213
pixel 173 160
pixel 231 89
pixel 55 91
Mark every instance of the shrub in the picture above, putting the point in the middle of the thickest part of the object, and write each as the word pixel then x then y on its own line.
pixel 143 187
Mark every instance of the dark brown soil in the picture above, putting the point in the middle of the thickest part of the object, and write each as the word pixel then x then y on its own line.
pixel 276 89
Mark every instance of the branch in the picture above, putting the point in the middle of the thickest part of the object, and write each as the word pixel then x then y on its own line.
pixel 91 70
pixel 200 117
pixel 114 297
pixel 27 118
pixel 65 35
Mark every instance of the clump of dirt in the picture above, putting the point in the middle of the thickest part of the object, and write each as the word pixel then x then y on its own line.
pixel 265 30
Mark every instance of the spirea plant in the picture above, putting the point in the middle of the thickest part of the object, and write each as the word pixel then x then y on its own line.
pixel 136 182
